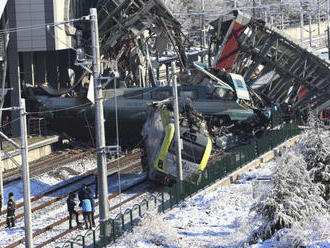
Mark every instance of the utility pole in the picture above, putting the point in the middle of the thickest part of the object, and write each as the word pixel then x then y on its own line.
pixel 100 133
pixel 235 4
pixel 328 29
pixel 1 178
pixel 301 22
pixel 282 17
pixel 176 123
pixel 310 29
pixel 328 12
pixel 318 17
pixel 202 25
pixel 26 177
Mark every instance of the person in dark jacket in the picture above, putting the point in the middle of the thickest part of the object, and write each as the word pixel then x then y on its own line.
pixel 11 207
pixel 86 205
pixel 71 209
pixel 0 201
pixel 91 198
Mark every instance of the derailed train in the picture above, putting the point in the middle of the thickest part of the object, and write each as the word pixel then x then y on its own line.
pixel 197 128
pixel 160 146
pixel 222 98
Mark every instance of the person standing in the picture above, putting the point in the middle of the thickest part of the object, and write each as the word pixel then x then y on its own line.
pixel 71 208
pixel 86 206
pixel 91 198
pixel 11 207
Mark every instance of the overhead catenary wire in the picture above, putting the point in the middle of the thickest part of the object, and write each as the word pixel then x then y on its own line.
pixel 39 26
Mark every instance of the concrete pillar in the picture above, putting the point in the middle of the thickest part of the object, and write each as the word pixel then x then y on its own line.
pixel 40 67
pixel 13 69
pixel 27 73
pixel 52 69
pixel 63 63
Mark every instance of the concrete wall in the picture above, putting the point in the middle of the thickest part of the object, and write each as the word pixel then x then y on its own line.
pixel 39 12
pixel 64 34
pixel 32 155
pixel 30 13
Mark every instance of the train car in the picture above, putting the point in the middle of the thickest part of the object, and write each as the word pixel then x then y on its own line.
pixel 221 102
pixel 160 148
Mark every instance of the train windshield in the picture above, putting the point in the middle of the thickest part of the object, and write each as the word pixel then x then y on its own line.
pixel 191 151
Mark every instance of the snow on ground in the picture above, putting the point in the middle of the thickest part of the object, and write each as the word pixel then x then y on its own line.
pixel 49 180
pixel 224 217
pixel 56 211
pixel 215 217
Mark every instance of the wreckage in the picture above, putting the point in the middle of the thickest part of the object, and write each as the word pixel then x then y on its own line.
pixel 271 63
pixel 242 50
pixel 160 145
pixel 221 101
pixel 221 97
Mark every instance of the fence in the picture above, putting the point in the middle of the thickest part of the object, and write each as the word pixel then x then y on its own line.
pixel 217 168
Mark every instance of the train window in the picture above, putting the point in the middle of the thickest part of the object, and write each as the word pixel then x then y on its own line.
pixel 191 151
pixel 239 83
pixel 192 94
pixel 136 94
pixel 160 94
pixel 189 136
pixel 221 93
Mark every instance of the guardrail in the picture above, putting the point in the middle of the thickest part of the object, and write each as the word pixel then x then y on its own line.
pixel 171 197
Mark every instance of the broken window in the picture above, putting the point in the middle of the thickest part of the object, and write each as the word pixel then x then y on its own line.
pixel 191 151
pixel 138 94
pixel 192 94
pixel 160 94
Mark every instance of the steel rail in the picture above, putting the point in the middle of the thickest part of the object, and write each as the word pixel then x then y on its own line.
pixel 51 226
pixel 48 203
pixel 110 165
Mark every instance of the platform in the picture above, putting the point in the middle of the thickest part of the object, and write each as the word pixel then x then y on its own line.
pixel 38 146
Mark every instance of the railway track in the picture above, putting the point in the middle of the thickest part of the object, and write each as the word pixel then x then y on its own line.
pixel 43 204
pixel 46 164
pixel 86 178
pixel 75 231
pixel 42 166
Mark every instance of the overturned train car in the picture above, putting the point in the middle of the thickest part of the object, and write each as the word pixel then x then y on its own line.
pixel 160 147
pixel 273 64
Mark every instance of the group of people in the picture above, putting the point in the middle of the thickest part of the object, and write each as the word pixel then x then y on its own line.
pixel 11 207
pixel 87 204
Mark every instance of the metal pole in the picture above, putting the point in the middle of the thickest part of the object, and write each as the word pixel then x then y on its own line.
pixel 202 24
pixel 26 177
pixel 301 22
pixel 176 123
pixel 271 20
pixel 282 17
pixel 318 17
pixel 328 29
pixel 328 35
pixel 310 29
pixel 328 13
pixel 99 130
pixel 1 179
pixel 235 4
